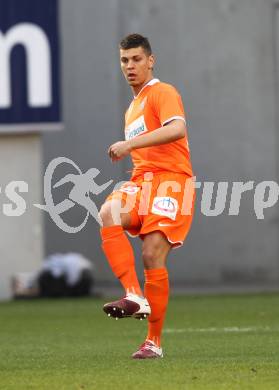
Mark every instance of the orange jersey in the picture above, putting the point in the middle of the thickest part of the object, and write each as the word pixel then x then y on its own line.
pixel 156 105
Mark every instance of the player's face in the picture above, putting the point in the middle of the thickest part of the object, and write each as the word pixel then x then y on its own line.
pixel 136 66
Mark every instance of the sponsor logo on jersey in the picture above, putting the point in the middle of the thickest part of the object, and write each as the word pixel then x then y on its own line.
pixel 136 128
pixel 166 206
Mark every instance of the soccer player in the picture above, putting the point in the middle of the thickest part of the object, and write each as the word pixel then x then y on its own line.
pixel 152 204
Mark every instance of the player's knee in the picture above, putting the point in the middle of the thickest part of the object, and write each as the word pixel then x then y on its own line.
pixel 151 256
pixel 155 249
pixel 110 213
pixel 105 215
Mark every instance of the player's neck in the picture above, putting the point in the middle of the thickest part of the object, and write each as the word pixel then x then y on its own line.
pixel 137 88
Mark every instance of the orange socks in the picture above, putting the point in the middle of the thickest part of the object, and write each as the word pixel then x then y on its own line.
pixel 156 291
pixel 120 256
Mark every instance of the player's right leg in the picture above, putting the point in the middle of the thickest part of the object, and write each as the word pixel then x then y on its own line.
pixel 120 256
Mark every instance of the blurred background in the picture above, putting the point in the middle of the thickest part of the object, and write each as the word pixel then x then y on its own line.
pixel 69 98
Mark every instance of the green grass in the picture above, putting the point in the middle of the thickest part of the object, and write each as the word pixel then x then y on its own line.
pixel 210 343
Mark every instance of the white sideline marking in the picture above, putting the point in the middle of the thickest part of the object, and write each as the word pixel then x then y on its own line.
pixel 233 329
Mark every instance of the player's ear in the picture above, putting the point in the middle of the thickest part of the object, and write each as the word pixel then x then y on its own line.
pixel 151 61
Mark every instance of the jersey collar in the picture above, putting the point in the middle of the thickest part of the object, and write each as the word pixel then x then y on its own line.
pixel 151 82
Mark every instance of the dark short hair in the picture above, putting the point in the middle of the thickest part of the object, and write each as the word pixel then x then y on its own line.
pixel 136 40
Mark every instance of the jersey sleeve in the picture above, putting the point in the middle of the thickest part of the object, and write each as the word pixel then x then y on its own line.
pixel 167 104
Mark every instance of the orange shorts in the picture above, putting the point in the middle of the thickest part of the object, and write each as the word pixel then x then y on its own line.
pixel 161 201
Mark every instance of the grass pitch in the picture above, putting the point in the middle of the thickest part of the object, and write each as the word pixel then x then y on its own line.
pixel 210 343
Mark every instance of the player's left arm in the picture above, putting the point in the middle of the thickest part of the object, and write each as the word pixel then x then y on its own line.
pixel 172 131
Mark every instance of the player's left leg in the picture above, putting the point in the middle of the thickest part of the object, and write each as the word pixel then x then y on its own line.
pixel 155 251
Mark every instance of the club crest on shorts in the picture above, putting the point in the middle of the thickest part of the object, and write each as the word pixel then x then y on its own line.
pixel 166 206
